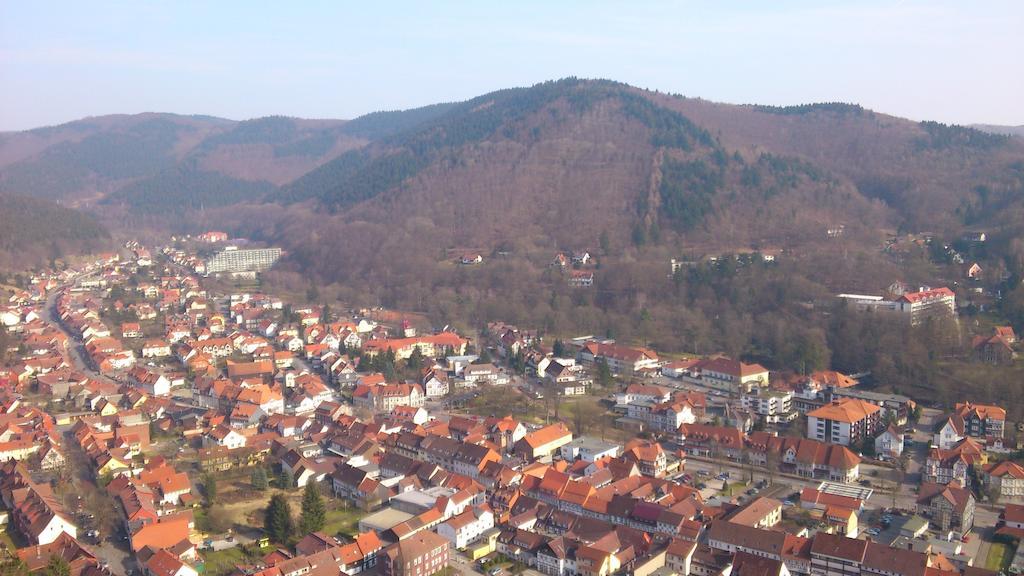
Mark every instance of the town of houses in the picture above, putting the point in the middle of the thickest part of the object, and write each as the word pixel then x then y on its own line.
pixel 711 466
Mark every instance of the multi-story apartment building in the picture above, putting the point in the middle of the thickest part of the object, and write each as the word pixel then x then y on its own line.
pixel 620 359
pixel 846 421
pixel 981 420
pixel 771 406
pixel 664 416
pixel 727 374
pixel 914 306
pixel 233 260
pixel 835 555
pixel 385 397
pixel 421 554
pixel 932 303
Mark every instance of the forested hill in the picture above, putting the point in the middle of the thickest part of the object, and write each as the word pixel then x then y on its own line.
pixel 35 231
pixel 568 162
pixel 569 159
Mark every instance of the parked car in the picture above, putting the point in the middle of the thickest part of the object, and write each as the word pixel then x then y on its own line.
pixel 787 503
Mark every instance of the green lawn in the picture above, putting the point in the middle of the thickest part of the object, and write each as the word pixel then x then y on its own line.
pixel 343 521
pixel 733 488
pixel 223 561
pixel 999 557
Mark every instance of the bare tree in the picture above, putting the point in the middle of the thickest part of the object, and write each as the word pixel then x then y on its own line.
pixel 771 464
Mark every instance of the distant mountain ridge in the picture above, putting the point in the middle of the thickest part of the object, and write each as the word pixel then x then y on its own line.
pixel 1017 131
pixel 558 163
pixel 82 162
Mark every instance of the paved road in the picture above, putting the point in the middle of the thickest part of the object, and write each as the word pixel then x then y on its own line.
pixel 76 349
pixel 461 564
pixel 117 556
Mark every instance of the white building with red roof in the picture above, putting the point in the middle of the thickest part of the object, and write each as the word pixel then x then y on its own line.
pixel 846 421
pixel 932 303
pixel 726 374
pixel 620 359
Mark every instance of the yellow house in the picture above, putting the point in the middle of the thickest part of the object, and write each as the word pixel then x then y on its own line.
pixel 486 545
pixel 139 401
pixel 106 408
pixel 544 441
pixel 841 520
pixel 593 562
pixel 111 465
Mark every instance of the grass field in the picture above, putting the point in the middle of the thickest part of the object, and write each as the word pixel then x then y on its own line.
pixel 999 557
pixel 222 561
pixel 343 521
pixel 733 488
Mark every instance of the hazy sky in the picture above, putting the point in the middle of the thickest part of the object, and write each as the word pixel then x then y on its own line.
pixel 955 61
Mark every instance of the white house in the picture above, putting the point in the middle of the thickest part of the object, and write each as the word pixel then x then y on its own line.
pixel 589 449
pixel 467 527
pixel 39 518
pixel 889 444
pixel 642 393
pixel 435 385
pixel 475 374
pixel 10 317
pixel 152 382
pixel 416 415
pixel 156 349
pixel 949 433
pixel 228 437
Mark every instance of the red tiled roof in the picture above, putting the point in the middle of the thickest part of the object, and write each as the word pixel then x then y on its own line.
pixel 926 295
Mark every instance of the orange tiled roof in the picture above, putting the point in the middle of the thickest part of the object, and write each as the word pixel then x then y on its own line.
pixel 847 410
